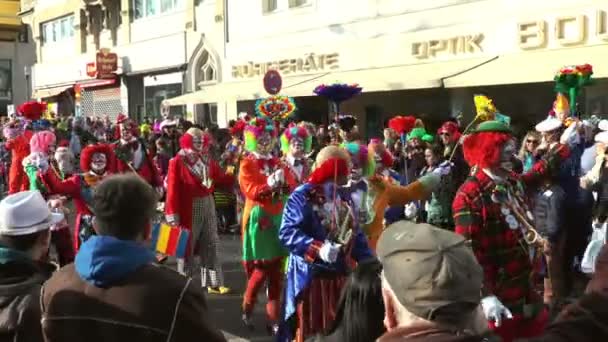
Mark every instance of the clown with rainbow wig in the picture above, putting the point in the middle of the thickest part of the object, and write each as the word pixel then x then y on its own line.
pixel 262 178
pixel 296 144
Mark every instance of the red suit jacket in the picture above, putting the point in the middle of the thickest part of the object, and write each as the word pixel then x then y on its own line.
pixel 146 168
pixel 20 148
pixel 183 187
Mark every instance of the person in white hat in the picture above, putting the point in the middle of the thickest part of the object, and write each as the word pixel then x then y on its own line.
pixel 25 220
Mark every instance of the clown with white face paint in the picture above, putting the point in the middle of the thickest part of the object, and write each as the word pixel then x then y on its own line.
pixel 96 164
pixel 191 179
pixel 296 144
pixel 132 156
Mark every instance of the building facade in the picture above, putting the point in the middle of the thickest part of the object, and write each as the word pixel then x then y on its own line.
pixel 105 57
pixel 426 58
pixel 16 55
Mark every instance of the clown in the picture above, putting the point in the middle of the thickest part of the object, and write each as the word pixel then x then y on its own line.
pixel 296 144
pixel 18 139
pixel 490 210
pixel 96 164
pixel 42 146
pixel 191 179
pixel 384 162
pixel 131 154
pixel 321 230
pixel 262 181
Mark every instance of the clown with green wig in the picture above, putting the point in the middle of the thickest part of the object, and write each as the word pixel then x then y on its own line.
pixel 262 179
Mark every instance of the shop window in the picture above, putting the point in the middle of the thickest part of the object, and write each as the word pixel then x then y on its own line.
pixel 298 3
pixel 58 30
pixel 150 8
pixel 269 5
pixel 6 82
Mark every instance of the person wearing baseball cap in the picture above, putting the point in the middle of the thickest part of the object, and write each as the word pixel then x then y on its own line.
pixel 431 285
pixel 25 221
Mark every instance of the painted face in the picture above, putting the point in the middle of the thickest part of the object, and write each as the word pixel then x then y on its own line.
pixel 506 155
pixel 445 137
pixel 125 132
pixel 356 170
pixel 99 163
pixel 197 143
pixel 296 148
pixel 265 144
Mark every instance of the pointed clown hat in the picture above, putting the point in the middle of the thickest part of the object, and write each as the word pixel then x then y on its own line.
pixel 560 111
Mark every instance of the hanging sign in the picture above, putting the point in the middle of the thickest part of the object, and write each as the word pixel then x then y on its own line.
pixel 273 82
pixel 107 63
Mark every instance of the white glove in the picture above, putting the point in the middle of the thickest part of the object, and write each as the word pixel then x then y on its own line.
pixel 443 168
pixel 411 210
pixel 494 310
pixel 39 160
pixel 275 179
pixel 570 136
pixel 329 252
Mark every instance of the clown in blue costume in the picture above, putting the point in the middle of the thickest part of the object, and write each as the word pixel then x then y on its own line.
pixel 320 228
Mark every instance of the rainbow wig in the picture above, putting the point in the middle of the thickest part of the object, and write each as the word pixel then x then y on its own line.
pixel 255 129
pixel 296 131
pixel 360 154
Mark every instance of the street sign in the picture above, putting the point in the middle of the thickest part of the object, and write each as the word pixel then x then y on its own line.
pixel 273 82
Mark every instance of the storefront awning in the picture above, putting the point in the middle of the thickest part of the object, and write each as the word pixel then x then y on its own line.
pixel 417 76
pixel 8 14
pixel 50 92
pixel 531 67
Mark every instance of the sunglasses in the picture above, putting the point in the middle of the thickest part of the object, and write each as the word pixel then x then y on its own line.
pixel 444 134
pixel 532 141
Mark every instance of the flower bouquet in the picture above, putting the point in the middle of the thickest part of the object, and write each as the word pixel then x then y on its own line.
pixel 571 79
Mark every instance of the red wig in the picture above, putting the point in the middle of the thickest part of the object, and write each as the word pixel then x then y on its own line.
pixel 451 128
pixel 483 149
pixel 328 171
pixel 32 110
pixel 87 153
pixel 185 141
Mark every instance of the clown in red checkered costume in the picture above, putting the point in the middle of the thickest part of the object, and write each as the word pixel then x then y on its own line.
pixel 490 209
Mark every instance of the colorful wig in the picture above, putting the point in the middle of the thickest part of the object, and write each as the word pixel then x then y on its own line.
pixel 32 110
pixel 86 156
pixel 360 154
pixel 292 132
pixel 41 141
pixel 377 148
pixel 331 163
pixel 483 149
pixel 255 129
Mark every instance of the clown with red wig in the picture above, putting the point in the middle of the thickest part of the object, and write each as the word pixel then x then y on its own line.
pixel 490 209
pixel 263 181
pixel 96 164
pixel 192 176
pixel 18 140
pixel 131 154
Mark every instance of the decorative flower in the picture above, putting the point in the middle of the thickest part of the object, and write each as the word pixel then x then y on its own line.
pixel 275 107
pixel 338 92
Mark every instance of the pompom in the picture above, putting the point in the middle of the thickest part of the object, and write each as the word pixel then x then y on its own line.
pixel 402 124
pixel 32 110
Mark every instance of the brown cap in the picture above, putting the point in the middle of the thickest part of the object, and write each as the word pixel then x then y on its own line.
pixel 428 268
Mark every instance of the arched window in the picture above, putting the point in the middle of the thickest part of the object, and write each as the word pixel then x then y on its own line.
pixel 206 70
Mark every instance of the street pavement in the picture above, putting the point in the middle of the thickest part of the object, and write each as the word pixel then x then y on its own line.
pixel 225 310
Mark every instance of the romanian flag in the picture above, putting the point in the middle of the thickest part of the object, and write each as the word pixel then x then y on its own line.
pixel 169 240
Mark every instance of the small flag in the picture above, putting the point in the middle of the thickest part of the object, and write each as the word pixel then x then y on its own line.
pixel 169 240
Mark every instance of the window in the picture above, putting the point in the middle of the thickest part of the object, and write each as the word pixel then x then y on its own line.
pixel 270 5
pixel 150 8
pixel 6 81
pixel 57 30
pixel 298 3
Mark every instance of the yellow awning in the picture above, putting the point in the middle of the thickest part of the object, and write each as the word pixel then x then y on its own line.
pixel 416 76
pixel 8 13
pixel 531 67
